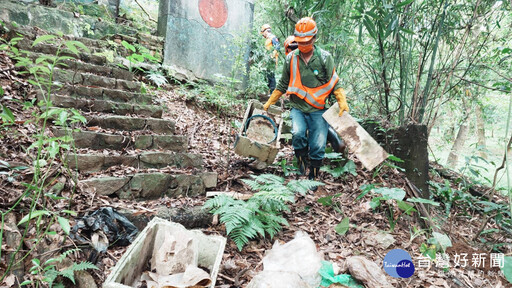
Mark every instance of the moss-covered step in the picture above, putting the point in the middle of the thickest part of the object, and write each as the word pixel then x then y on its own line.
pixel 127 123
pixel 97 162
pixel 105 106
pixel 96 141
pixel 151 185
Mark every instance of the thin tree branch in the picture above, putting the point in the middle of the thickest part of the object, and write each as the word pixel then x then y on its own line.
pixel 149 16
pixel 493 188
pixel 481 85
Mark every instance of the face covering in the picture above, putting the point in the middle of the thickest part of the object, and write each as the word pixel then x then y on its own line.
pixel 306 49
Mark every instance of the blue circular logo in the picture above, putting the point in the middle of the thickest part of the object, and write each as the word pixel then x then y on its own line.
pixel 398 263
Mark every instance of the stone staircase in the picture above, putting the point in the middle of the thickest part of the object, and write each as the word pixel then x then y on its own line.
pixel 125 129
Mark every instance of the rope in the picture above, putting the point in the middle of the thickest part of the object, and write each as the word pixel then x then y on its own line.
pixel 264 117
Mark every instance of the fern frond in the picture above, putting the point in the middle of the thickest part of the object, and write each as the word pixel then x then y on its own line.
pixel 253 184
pixel 269 178
pixel 84 265
pixel 66 253
pixel 68 273
pixel 242 235
pixel 302 186
pixel 218 201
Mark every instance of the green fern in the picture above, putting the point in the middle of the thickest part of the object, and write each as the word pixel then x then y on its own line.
pixel 302 186
pixel 261 215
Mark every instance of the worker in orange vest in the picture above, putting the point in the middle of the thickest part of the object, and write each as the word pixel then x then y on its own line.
pixel 272 45
pixel 310 77
pixel 337 144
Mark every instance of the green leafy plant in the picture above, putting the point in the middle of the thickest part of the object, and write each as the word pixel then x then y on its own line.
pixel 138 55
pixel 330 201
pixel 338 166
pixel 46 150
pixel 49 271
pixel 343 226
pixel 389 163
pixel 157 77
pixel 262 213
pixel 385 196
pixel 446 194
pixel 287 169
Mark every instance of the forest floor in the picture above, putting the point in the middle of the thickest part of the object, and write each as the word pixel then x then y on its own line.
pixel 212 135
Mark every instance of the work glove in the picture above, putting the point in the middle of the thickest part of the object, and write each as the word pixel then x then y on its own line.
pixel 273 99
pixel 342 100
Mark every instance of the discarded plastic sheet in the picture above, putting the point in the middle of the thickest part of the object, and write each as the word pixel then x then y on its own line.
pixel 104 227
pixel 266 279
pixel 299 257
pixel 328 277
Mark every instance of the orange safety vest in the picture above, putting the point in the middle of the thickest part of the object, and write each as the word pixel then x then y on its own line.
pixel 313 96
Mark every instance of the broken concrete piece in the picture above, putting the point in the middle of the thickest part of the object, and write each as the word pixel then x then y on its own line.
pixel 359 142
pixel 380 239
pixel 367 272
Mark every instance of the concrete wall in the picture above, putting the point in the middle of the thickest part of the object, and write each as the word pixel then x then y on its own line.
pixel 54 21
pixel 199 35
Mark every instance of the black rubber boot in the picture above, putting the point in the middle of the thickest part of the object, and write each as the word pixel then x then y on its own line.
pixel 314 170
pixel 301 155
pixel 337 143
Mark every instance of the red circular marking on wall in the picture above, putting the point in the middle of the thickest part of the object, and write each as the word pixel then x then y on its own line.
pixel 214 12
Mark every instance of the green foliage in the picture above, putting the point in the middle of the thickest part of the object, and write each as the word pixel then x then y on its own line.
pixel 6 115
pixel 343 226
pixel 385 196
pixel 49 271
pixel 287 169
pixel 157 77
pixel 446 194
pixel 138 55
pixel 428 250
pixel 338 166
pixel 330 201
pixel 507 268
pixel 262 213
pixel 47 152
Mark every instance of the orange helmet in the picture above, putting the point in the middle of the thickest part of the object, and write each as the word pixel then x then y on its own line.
pixel 305 29
pixel 290 41
pixel 264 27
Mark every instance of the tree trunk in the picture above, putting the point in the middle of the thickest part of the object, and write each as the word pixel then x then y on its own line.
pixel 480 132
pixel 458 144
pixel 462 135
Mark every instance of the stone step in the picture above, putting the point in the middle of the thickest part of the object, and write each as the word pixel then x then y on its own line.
pixel 96 141
pixel 98 162
pixel 66 76
pixel 86 92
pixel 151 185
pixel 51 49
pixel 95 46
pixel 105 106
pixel 150 41
pixel 76 65
pixel 126 123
